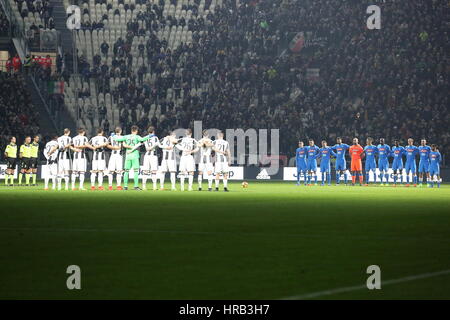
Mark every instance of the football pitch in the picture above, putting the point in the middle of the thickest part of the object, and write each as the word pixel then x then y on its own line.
pixel 269 241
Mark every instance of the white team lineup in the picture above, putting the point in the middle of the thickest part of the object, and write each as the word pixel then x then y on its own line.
pixel 68 160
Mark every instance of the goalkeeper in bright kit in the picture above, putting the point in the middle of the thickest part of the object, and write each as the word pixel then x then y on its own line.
pixel 132 143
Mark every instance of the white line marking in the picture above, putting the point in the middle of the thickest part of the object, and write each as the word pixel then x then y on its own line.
pixel 359 287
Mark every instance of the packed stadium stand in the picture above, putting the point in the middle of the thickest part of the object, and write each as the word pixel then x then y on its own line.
pixel 311 68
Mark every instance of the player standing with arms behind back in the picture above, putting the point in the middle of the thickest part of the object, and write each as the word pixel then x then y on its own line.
pixel 424 162
pixel 435 159
pixel 411 151
pixel 356 152
pixel 168 163
pixel 325 154
pixel 340 148
pixel 99 142
pixel 34 159
pixel 79 165
pixel 188 146
pixel 64 165
pixel 397 164
pixel 384 152
pixel 150 159
pixel 223 158
pixel 371 166
pixel 205 166
pixel 11 161
pixel 25 157
pixel 115 164
pixel 311 161
pixel 51 154
pixel 300 162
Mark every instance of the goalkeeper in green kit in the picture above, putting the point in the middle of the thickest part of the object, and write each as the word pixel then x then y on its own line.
pixel 132 142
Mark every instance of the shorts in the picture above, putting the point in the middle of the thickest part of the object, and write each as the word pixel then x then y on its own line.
pixel 11 163
pixel 424 166
pixel 205 167
pixel 52 168
pixel 383 165
pixel 356 165
pixel 150 163
pixel 187 164
pixel 434 171
pixel 115 163
pixel 397 165
pixel 410 166
pixel 326 167
pixel 311 165
pixel 370 166
pixel 33 163
pixel 341 165
pixel 99 165
pixel 132 164
pixel 24 163
pixel 79 165
pixel 221 167
pixel 168 166
pixel 64 165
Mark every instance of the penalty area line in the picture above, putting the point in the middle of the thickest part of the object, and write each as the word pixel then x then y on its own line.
pixel 360 287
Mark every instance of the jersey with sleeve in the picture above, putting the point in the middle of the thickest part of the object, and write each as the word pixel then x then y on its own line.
pixel 11 150
pixel 48 147
pixel 411 152
pixel 78 141
pixel 131 140
pixel 370 152
pixel 205 151
pixel 34 150
pixel 223 146
pixel 397 153
pixel 186 145
pixel 383 152
pixel 340 150
pixel 167 147
pixel 355 152
pixel 25 150
pixel 313 151
pixel 424 153
pixel 435 159
pixel 300 155
pixel 113 142
pixel 99 154
pixel 150 145
pixel 63 153
pixel 325 154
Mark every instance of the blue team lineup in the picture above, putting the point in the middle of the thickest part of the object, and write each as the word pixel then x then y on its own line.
pixel 376 165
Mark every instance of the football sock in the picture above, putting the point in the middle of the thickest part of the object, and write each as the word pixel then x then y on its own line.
pixel 81 180
pixel 6 179
pixel 329 177
pixel 154 180
pixel 315 178
pixel 110 179
pixel 66 180
pixel 161 180
pixel 20 178
pixel 93 179
pixel 345 178
pixel 173 177
pixel 353 179
pixel 407 178
pixel 74 178
pixel 144 181
pixel 100 179
pixel 135 178
pixel 119 179
pixel 225 183
pixel 338 177
pixel 125 178
pixel 217 183
pixel 34 178
pixel 361 178
pixel 367 177
pixel 191 180
pixel 182 182
pixel 199 179
pixel 210 180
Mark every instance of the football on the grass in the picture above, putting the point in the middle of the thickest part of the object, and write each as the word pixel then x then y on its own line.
pixel 245 184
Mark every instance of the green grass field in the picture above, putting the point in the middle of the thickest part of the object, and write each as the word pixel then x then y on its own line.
pixel 270 241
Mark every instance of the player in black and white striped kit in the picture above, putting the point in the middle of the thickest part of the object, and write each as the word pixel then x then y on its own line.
pixel 64 163
pixel 223 156
pixel 99 143
pixel 188 146
pixel 79 164
pixel 168 162
pixel 205 165
pixel 51 154
pixel 115 164
pixel 150 159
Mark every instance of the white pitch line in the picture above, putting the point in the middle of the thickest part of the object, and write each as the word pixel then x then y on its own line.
pixel 359 287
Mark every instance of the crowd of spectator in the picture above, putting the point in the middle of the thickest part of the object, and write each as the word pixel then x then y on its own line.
pixel 240 73
pixel 4 24
pixel 18 117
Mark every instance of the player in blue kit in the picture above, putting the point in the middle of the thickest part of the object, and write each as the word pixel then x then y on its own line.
pixel 325 154
pixel 370 151
pixel 397 164
pixel 300 161
pixel 384 151
pixel 435 159
pixel 411 152
pixel 340 148
pixel 311 162
pixel 424 162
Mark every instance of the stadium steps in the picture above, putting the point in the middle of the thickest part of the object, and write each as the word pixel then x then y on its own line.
pixel 47 126
pixel 60 18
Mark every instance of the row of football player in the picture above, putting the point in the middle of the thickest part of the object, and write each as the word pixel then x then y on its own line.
pixel 61 166
pixel 306 161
